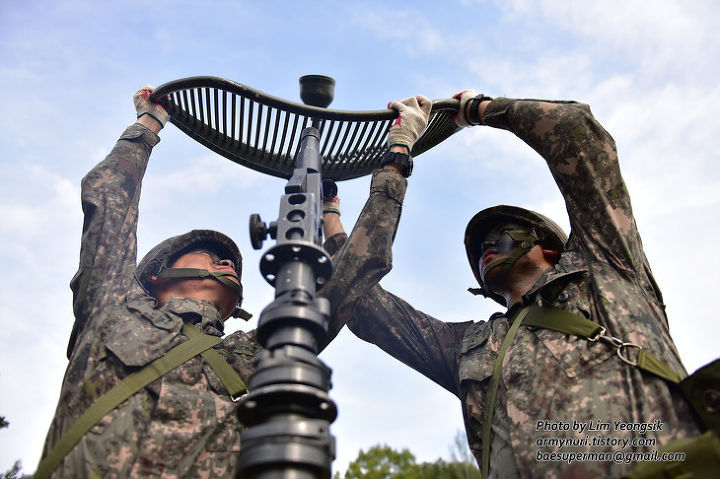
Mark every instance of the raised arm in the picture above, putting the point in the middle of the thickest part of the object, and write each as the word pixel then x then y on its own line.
pixel 364 258
pixel 373 314
pixel 362 261
pixel 110 195
pixel 583 160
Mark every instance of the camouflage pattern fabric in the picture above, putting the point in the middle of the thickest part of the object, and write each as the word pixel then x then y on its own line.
pixel 184 423
pixel 367 258
pixel 550 381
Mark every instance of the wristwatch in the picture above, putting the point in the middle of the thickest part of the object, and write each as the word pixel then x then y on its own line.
pixel 402 159
pixel 473 114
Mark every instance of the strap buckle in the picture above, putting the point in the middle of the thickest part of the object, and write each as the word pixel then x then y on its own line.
pixel 621 347
pixel 627 359
pixel 596 337
pixel 239 397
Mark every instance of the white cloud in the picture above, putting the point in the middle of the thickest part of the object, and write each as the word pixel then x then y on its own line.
pixel 38 212
pixel 207 173
pixel 409 28
pixel 656 37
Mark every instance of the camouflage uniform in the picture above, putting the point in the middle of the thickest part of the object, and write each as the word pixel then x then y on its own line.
pixel 182 424
pixel 546 376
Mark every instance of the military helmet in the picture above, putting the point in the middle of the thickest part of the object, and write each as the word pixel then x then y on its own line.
pixel 162 255
pixel 549 233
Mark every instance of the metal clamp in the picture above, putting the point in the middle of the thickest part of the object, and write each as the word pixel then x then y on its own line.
pixel 619 345
pixel 621 348
pixel 596 337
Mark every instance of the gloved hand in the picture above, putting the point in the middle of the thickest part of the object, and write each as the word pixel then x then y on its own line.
pixel 468 114
pixel 144 106
pixel 332 205
pixel 413 115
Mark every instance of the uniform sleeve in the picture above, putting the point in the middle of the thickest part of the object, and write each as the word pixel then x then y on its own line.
pixel 418 340
pixel 360 261
pixel 110 194
pixel 583 160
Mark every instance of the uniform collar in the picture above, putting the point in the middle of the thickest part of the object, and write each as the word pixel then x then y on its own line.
pixel 204 314
pixel 552 281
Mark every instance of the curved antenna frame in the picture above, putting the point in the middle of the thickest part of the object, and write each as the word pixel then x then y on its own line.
pixel 262 132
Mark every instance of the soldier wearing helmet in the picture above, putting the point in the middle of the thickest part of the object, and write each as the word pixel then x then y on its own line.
pixel 497 238
pixel 526 373
pixel 131 321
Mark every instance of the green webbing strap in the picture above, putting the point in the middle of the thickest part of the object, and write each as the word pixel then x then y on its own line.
pixel 577 325
pixel 562 321
pixel 567 323
pixel 228 376
pixel 119 393
pixel 191 273
pixel 651 364
pixel 492 390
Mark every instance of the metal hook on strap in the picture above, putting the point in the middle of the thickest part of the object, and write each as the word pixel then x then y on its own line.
pixel 621 347
pixel 623 355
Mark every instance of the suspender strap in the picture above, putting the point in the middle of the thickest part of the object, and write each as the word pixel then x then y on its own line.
pixel 563 321
pixel 648 362
pixel 577 325
pixel 492 390
pixel 228 376
pixel 198 343
pixel 567 323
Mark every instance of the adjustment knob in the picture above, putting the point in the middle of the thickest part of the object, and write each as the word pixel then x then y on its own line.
pixel 329 189
pixel 258 231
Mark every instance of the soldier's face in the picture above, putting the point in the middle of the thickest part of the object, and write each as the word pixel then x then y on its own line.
pixel 201 288
pixel 208 260
pixel 498 244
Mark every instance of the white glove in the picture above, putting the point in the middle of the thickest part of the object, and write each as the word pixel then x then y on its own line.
pixel 144 106
pixel 413 115
pixel 468 116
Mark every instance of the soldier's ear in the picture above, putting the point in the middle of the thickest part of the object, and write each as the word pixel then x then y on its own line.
pixel 154 282
pixel 552 256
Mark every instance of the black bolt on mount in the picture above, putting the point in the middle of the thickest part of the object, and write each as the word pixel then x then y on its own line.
pixel 288 411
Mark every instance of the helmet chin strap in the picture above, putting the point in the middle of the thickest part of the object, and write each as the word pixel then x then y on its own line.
pixel 195 273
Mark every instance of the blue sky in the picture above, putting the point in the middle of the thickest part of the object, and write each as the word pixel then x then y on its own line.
pixel 68 71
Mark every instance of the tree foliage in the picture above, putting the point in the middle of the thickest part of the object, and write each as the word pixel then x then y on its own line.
pixel 383 462
pixel 380 462
pixel 15 470
pixel 13 473
pixel 447 470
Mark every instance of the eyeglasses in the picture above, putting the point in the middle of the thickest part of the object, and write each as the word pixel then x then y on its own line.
pixel 213 257
pixel 516 233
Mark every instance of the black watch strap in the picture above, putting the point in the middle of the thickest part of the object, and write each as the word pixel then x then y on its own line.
pixel 398 158
pixel 473 113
